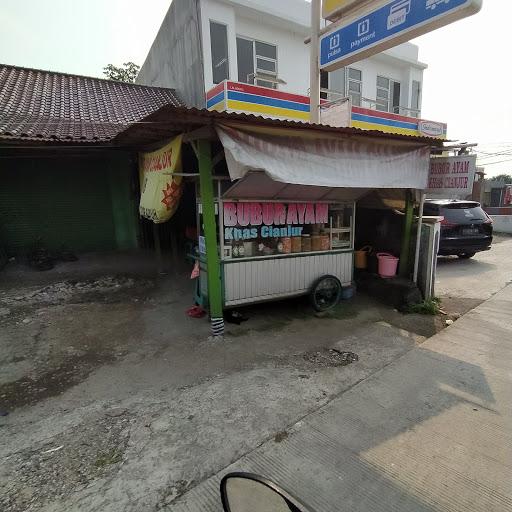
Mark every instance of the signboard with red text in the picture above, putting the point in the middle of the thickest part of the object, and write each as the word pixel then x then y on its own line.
pixel 452 176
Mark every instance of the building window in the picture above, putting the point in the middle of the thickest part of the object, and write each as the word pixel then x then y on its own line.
pixel 337 82
pixel 388 95
pixel 416 97
pixel 220 58
pixel 324 85
pixel 355 85
pixel 256 59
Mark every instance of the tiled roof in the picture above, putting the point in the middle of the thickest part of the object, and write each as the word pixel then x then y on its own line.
pixel 47 106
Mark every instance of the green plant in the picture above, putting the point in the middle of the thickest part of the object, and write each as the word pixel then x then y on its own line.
pixel 111 457
pixel 427 307
pixel 127 73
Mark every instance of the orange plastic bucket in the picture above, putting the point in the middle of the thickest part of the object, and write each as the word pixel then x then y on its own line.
pixel 388 264
pixel 361 257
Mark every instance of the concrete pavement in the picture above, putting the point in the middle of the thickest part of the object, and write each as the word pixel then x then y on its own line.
pixel 431 431
pixel 479 277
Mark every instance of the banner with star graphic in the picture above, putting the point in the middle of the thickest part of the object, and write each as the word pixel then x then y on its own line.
pixel 160 190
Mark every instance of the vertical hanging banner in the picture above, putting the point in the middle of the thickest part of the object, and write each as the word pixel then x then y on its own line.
pixel 160 190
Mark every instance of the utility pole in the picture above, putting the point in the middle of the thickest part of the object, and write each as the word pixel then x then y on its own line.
pixel 314 71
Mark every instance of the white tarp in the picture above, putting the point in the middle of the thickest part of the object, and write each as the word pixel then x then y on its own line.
pixel 311 158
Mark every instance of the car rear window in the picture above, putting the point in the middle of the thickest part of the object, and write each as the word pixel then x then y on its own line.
pixel 461 213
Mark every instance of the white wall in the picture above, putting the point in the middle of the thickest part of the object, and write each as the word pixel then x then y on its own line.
pixel 502 223
pixel 285 24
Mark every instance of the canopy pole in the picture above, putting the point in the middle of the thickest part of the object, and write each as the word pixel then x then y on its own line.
pixel 418 238
pixel 210 232
pixel 407 235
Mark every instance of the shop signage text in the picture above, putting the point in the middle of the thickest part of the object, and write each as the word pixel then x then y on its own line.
pixel 246 221
pixel 160 190
pixel 389 25
pixel 430 128
pixel 451 176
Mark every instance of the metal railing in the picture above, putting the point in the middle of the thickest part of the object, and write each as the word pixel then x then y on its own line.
pixel 403 111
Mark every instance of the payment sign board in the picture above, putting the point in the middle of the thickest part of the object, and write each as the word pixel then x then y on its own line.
pixel 389 25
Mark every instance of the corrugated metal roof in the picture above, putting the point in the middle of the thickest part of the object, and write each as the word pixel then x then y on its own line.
pixel 38 105
pixel 170 120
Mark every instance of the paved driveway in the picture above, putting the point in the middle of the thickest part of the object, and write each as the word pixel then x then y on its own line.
pixel 479 277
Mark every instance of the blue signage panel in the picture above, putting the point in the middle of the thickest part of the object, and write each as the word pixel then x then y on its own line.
pixel 387 22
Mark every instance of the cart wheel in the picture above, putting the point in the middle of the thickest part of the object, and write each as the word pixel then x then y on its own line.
pixel 326 293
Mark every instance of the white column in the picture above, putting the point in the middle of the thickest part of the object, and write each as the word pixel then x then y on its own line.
pixel 314 71
pixel 418 238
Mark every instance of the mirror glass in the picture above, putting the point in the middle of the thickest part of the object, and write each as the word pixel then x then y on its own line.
pixel 245 495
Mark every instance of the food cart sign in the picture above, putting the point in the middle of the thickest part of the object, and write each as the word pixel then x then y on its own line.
pixel 451 177
pixel 246 221
pixel 387 26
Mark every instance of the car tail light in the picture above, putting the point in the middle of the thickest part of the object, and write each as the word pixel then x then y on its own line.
pixel 489 220
pixel 447 224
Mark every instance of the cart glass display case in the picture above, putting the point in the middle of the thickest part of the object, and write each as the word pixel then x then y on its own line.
pixel 276 249
pixel 252 229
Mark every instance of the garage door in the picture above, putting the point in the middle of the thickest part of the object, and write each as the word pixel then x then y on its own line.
pixel 64 202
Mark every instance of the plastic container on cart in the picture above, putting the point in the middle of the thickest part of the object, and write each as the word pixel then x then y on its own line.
pixel 296 244
pixel 316 242
pixel 287 245
pixel 249 249
pixel 325 242
pixel 306 243
pixel 388 264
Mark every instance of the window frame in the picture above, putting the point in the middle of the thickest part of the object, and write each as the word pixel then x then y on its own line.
pixel 227 47
pixel 348 80
pixel 255 57
pixel 390 93
pixel 416 107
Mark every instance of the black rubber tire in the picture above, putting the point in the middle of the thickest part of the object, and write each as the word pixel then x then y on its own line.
pixel 325 293
pixel 466 255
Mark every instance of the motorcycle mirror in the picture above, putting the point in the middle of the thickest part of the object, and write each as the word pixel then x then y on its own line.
pixel 246 492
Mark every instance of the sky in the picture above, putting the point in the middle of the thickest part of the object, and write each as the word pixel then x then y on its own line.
pixel 467 83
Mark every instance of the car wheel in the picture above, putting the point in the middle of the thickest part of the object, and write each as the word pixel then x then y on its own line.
pixel 466 255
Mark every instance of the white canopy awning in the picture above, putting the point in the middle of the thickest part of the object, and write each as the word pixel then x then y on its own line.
pixel 301 157
pixel 257 185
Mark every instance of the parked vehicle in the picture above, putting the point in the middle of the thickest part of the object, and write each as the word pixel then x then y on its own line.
pixel 465 230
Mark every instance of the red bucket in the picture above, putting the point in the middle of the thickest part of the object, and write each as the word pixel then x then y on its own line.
pixel 388 264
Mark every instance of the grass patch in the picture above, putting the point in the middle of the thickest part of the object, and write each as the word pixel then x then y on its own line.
pixel 342 311
pixel 106 459
pixel 427 307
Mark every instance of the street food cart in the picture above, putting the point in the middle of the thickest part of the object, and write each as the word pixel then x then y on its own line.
pixel 285 216
pixel 273 249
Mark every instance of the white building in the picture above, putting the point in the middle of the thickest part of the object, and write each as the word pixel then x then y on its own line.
pixel 204 42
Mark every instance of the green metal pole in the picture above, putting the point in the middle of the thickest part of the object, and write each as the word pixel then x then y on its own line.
pixel 210 232
pixel 407 235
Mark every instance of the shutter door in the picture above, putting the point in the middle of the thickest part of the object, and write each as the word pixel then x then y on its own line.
pixel 64 202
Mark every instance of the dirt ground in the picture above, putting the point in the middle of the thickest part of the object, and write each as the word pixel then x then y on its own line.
pixel 113 399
